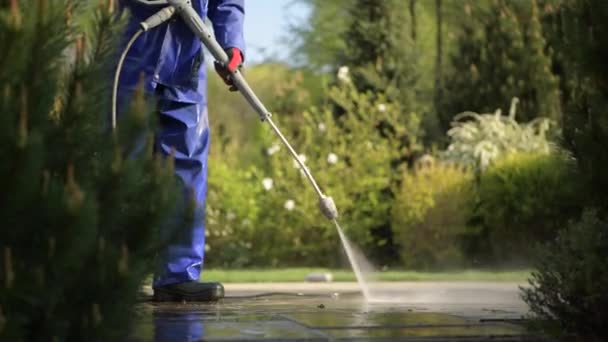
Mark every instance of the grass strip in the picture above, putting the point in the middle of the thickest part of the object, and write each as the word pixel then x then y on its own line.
pixel 299 275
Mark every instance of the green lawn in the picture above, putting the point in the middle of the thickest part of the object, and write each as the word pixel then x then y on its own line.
pixel 299 274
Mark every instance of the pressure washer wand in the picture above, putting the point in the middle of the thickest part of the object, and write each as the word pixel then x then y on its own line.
pixel 196 24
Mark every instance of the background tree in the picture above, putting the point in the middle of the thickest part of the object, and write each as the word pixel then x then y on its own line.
pixel 412 9
pixel 318 41
pixel 584 35
pixel 567 288
pixel 380 55
pixel 439 57
pixel 382 59
pixel 502 54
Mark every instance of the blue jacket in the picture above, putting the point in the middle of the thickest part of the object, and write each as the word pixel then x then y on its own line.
pixel 170 54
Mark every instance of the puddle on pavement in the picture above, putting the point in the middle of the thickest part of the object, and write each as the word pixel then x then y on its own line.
pixel 164 331
pixel 311 318
pixel 330 319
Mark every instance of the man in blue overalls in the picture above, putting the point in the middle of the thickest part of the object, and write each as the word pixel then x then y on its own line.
pixel 171 59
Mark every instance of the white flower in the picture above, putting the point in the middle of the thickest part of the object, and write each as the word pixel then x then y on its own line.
pixel 322 127
pixel 289 204
pixel 332 158
pixel 267 183
pixel 343 75
pixel 274 148
pixel 230 216
pixel 302 158
pixel 382 107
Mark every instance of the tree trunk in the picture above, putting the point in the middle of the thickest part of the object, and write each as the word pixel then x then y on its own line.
pixel 439 57
pixel 413 19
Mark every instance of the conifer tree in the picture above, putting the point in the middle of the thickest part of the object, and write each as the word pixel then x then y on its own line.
pixel 79 221
pixel 584 36
pixel 382 61
pixel 380 50
pixel 464 80
pixel 568 288
pixel 502 54
pixel 545 84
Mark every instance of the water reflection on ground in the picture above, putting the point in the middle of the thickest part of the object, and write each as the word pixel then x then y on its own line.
pixel 325 317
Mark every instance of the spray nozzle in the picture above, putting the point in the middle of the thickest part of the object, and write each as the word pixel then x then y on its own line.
pixel 328 207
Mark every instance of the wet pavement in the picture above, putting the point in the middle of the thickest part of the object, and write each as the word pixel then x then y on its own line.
pixel 337 312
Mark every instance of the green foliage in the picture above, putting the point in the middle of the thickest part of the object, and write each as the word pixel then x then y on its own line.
pixel 430 215
pixel 501 54
pixel 584 37
pixel 372 40
pixel 380 53
pixel 568 288
pixel 297 274
pixel 319 41
pixel 269 213
pixel 499 50
pixel 523 197
pixel 232 214
pixel 237 163
pixel 80 223
pixel 351 155
pixel 235 127
pixel 478 140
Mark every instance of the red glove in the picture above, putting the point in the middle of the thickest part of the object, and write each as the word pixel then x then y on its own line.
pixel 235 61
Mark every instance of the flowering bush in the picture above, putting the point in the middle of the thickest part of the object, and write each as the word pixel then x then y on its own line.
pixel 478 139
pixel 350 155
pixel 269 214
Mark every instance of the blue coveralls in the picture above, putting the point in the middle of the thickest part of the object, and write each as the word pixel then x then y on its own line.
pixel 171 59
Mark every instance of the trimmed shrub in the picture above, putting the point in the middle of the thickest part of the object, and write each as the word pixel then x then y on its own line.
pixel 430 213
pixel 568 288
pixel 523 198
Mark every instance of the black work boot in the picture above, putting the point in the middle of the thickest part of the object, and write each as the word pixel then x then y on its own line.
pixel 191 291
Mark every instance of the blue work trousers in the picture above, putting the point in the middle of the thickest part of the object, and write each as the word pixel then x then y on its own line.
pixel 183 131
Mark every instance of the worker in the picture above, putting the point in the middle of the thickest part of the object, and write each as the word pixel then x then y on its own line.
pixel 171 60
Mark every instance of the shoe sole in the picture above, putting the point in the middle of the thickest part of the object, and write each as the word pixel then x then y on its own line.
pixel 208 295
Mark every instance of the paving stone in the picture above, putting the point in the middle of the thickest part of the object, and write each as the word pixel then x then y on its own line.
pixel 261 331
pixel 487 331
